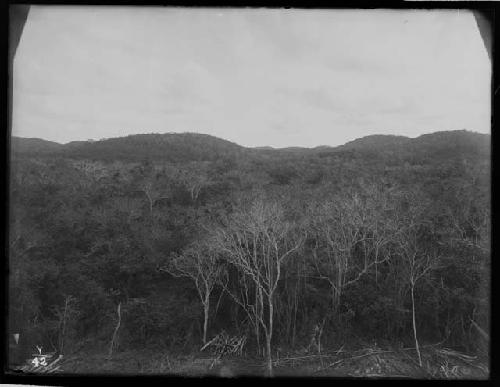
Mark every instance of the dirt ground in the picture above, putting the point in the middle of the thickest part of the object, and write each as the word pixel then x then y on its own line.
pixel 369 362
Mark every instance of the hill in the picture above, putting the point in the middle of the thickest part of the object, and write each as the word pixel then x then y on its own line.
pixel 456 141
pixel 171 147
pixel 375 142
pixel 184 147
pixel 97 226
pixel 427 148
pixel 34 145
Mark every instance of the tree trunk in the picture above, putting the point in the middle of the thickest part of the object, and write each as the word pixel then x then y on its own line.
pixel 259 307
pixel 295 307
pixel 116 330
pixel 150 202
pixel 269 335
pixel 414 324
pixel 269 355
pixel 257 336
pixel 335 304
pixel 206 308
pixel 63 332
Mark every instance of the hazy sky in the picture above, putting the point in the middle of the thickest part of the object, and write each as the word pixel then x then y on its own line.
pixel 255 77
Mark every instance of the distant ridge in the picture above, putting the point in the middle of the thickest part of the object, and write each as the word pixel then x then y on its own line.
pixel 181 147
pixel 442 141
pixel 172 147
pixel 264 147
pixel 34 145
pixel 375 141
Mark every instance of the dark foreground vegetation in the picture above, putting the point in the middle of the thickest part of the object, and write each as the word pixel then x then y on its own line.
pixel 130 255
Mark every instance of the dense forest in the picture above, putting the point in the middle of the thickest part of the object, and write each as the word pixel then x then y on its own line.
pixel 162 241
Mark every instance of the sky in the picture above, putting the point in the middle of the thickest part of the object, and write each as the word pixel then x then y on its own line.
pixel 257 77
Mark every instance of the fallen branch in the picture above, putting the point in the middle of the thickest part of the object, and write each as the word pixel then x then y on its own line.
pixel 60 357
pixel 225 345
pixel 448 352
pixel 480 330
pixel 210 342
pixel 354 357
pixel 423 346
pixel 299 358
pixel 53 370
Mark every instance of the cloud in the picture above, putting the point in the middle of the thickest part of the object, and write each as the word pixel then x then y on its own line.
pixel 256 77
pixel 313 97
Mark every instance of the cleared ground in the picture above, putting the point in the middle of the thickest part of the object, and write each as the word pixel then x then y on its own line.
pixel 373 361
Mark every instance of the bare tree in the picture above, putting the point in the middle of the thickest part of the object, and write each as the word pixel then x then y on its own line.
pixel 339 226
pixel 64 315
pixel 155 182
pixel 123 307
pixel 199 262
pixel 194 178
pixel 154 193
pixel 290 296
pixel 249 296
pixel 469 218
pixel 419 258
pixel 257 241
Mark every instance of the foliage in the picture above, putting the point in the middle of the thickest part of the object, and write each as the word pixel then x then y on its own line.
pixel 292 238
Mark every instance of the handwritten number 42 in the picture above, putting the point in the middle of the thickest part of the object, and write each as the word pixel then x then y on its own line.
pixel 39 362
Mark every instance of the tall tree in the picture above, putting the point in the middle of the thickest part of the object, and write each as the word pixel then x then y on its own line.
pixel 201 264
pixel 340 227
pixel 257 241
pixel 420 257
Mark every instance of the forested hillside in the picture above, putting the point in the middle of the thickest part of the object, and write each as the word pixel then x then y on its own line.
pixel 386 238
pixel 170 147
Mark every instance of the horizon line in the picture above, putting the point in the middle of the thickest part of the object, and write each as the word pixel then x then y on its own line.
pixel 249 147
